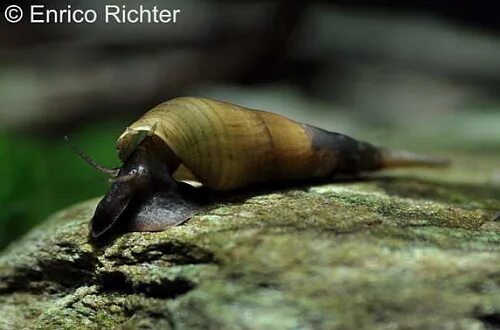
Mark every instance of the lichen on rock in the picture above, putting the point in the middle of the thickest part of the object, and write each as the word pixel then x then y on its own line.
pixel 389 252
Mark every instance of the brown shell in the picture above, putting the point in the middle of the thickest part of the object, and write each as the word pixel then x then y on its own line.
pixel 225 146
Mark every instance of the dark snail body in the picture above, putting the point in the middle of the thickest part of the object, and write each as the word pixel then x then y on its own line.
pixel 225 147
pixel 145 191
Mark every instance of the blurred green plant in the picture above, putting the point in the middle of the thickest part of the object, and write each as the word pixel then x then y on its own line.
pixel 40 176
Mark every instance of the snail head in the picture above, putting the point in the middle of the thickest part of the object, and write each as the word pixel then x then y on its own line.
pixel 135 172
pixel 127 182
pixel 143 194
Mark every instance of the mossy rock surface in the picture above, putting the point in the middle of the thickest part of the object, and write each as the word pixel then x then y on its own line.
pixel 407 251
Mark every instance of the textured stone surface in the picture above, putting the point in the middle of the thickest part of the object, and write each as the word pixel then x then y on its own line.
pixel 419 251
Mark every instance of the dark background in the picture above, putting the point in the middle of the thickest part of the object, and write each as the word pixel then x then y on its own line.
pixel 372 69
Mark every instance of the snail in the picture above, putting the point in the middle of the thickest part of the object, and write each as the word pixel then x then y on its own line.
pixel 225 147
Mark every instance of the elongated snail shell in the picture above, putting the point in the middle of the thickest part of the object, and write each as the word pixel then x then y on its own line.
pixel 225 146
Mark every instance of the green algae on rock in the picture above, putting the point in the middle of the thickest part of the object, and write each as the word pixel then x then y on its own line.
pixel 383 253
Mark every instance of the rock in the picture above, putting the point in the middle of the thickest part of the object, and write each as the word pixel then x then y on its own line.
pixel 400 252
